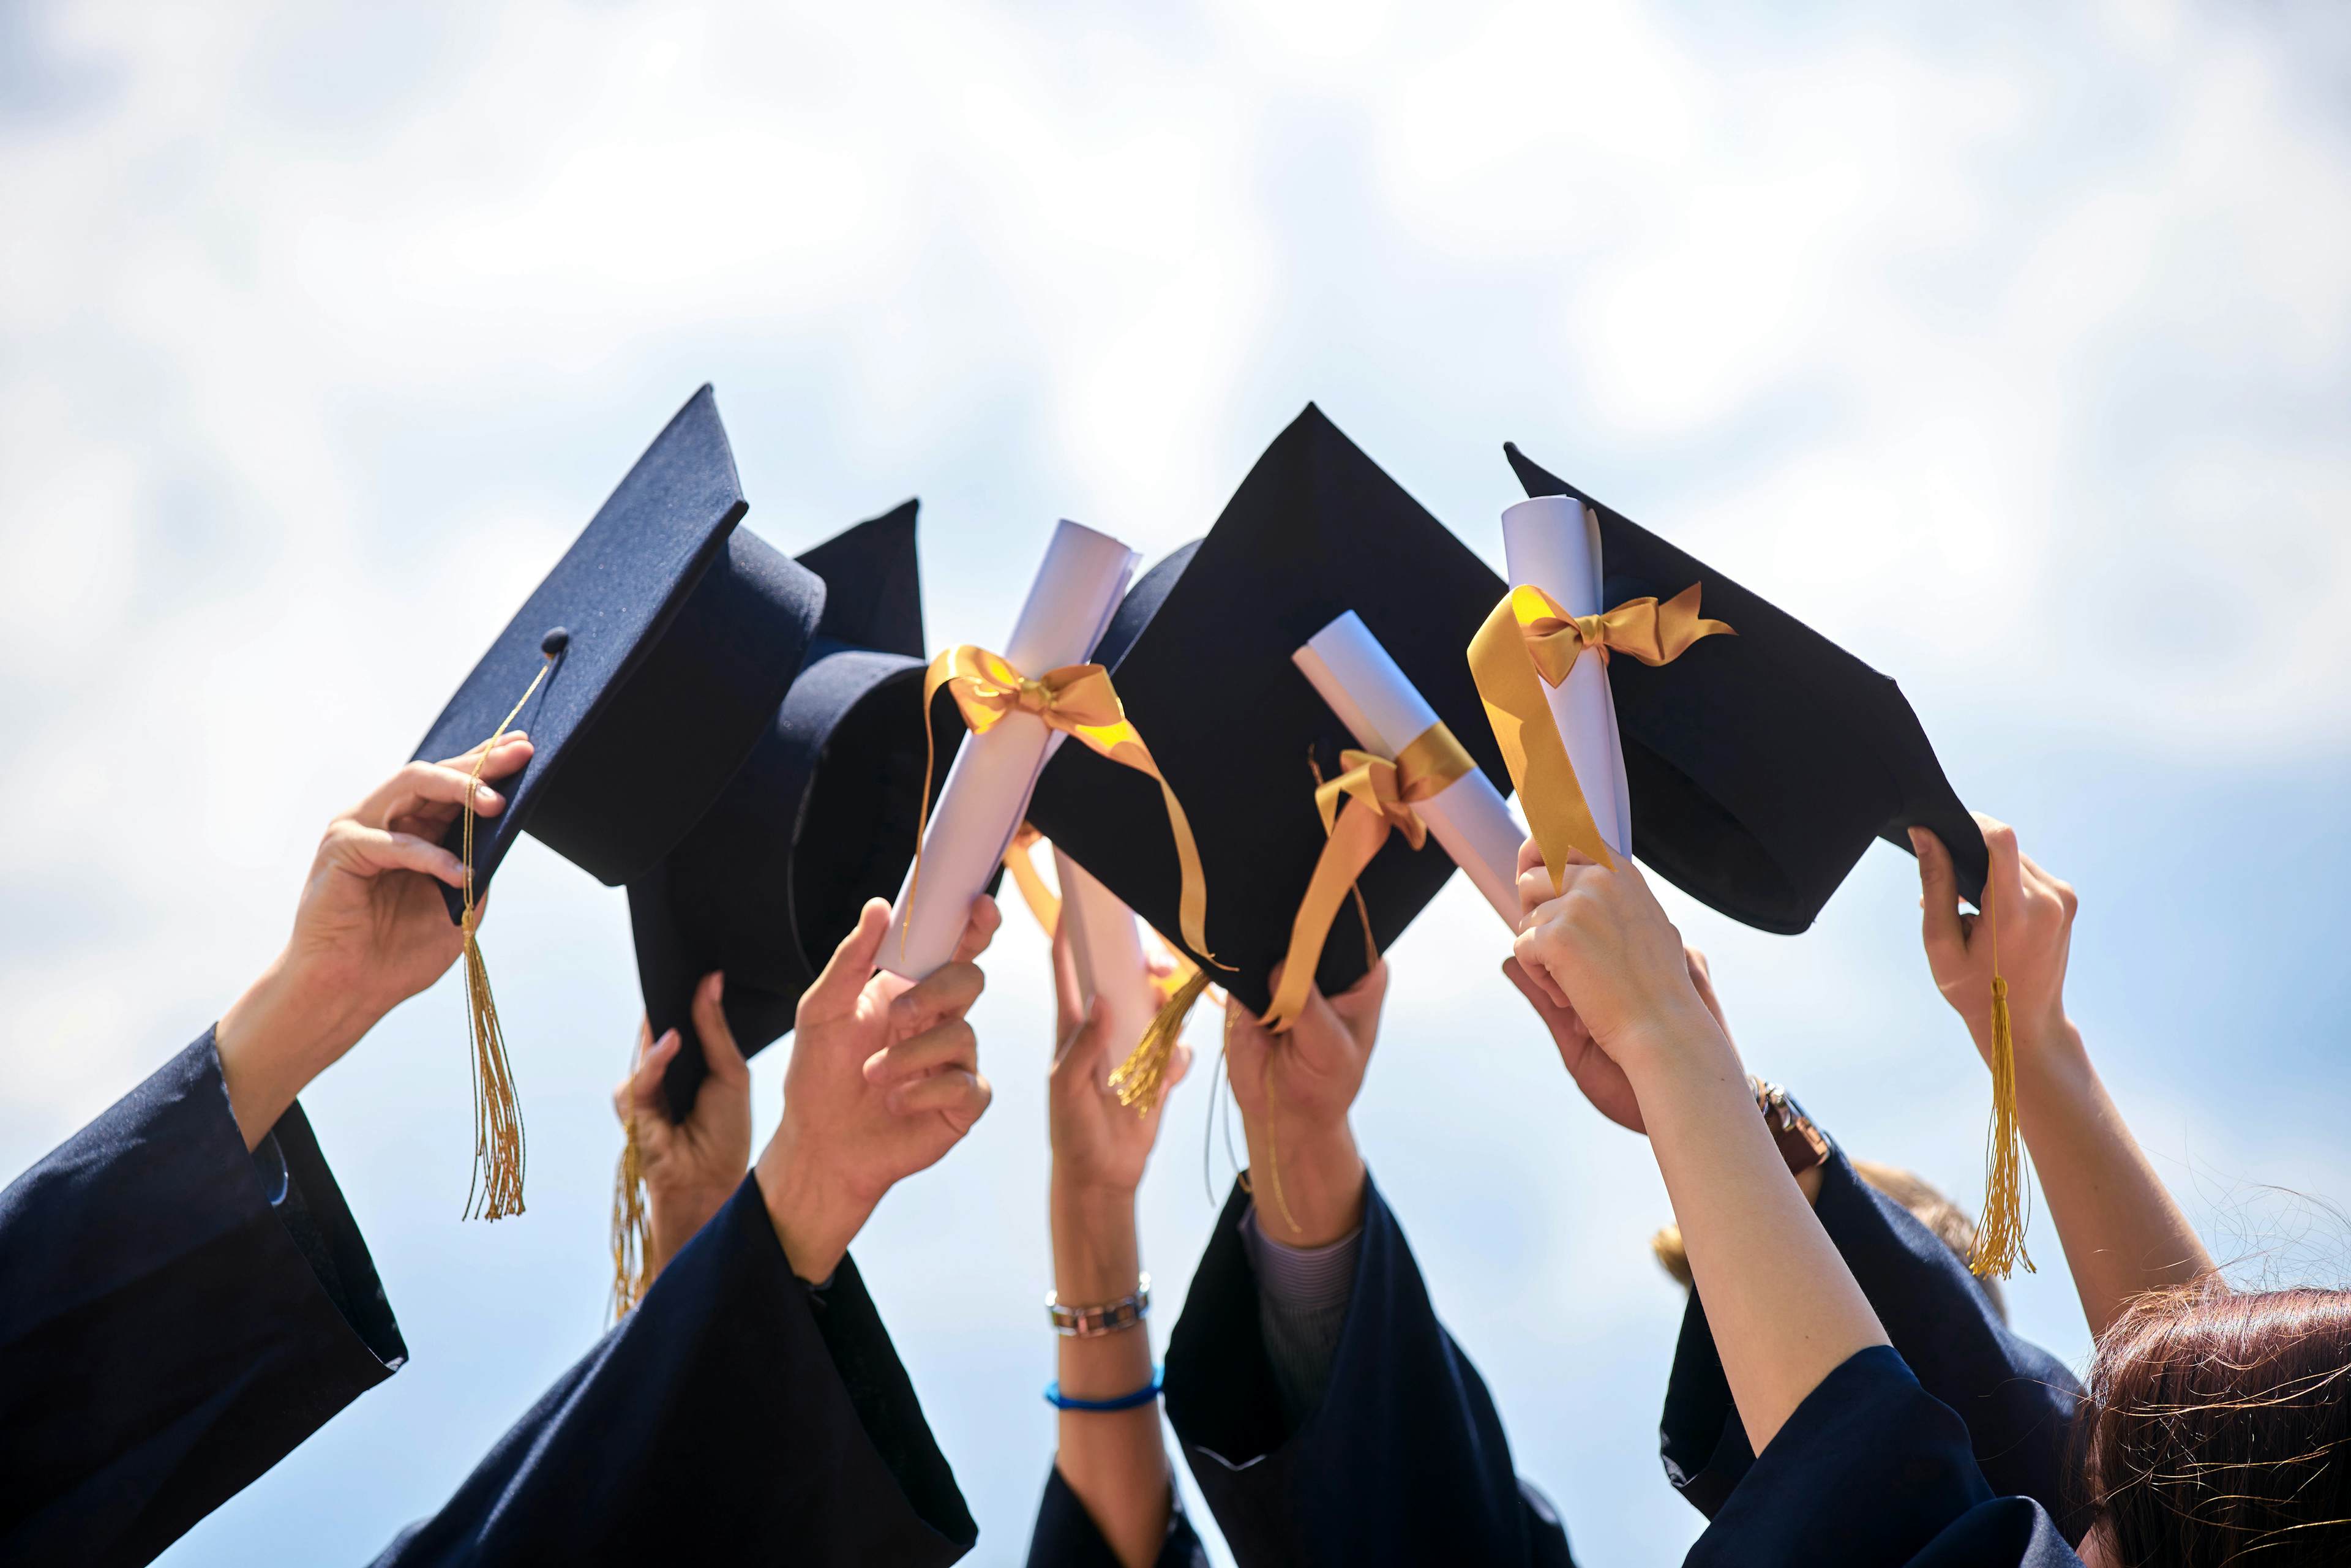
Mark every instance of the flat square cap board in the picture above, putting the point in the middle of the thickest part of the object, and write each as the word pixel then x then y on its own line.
pixel 1761 765
pixel 1200 651
pixel 673 634
pixel 819 817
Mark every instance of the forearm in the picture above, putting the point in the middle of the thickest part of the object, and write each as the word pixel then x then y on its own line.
pixel 1112 1459
pixel 1783 1306
pixel 284 1032
pixel 2122 1232
pixel 1307 1180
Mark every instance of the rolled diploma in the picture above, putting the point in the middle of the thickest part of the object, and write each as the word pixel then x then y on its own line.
pixel 1108 949
pixel 1378 702
pixel 986 793
pixel 1550 542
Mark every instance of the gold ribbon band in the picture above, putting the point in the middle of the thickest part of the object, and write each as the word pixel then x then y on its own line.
pixel 1531 642
pixel 1360 808
pixel 1080 701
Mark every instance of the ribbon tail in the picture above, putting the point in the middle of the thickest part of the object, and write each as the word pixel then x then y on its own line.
pixel 1040 900
pixel 1356 838
pixel 1512 691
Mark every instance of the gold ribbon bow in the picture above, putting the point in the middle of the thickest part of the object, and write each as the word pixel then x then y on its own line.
pixel 1374 798
pixel 1079 701
pixel 1530 642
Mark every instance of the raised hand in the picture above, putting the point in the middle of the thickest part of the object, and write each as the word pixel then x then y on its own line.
pixel 1603 949
pixel 371 931
pixel 884 1079
pixel 1099 1144
pixel 1294 1089
pixel 690 1168
pixel 2032 927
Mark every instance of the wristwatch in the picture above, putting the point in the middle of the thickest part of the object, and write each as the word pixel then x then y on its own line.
pixel 1802 1144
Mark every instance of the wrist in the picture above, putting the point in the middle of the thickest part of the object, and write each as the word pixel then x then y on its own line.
pixel 288 1027
pixel 1671 1042
pixel 1097 1255
pixel 1307 1181
pixel 815 1213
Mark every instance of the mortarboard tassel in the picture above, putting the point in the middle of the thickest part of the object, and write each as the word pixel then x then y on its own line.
pixel 632 1230
pixel 2000 1234
pixel 496 1190
pixel 1140 1079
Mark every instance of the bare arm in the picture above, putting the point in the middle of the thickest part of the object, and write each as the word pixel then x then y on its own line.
pixel 1114 1460
pixel 1784 1308
pixel 2122 1233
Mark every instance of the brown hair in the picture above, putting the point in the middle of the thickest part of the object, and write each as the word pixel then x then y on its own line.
pixel 1912 1191
pixel 2218 1429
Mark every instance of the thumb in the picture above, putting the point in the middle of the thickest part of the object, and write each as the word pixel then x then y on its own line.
pixel 835 993
pixel 719 1053
pixel 1939 900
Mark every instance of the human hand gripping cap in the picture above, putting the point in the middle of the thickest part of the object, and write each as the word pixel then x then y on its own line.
pixel 1761 766
pixel 644 667
pixel 1201 649
pixel 818 819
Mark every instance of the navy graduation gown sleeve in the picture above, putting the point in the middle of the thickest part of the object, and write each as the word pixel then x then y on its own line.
pixel 1404 1461
pixel 2017 1400
pixel 1871 1471
pixel 736 1416
pixel 1066 1536
pixel 177 1314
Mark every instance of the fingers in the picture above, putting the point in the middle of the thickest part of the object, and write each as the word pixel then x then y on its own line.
pixel 1244 1031
pixel 950 1044
pixel 1081 1041
pixel 835 993
pixel 948 992
pixel 514 749
pixel 369 851
pixel 421 784
pixel 512 737
pixel 2007 873
pixel 961 1097
pixel 640 1095
pixel 978 930
pixel 1526 952
pixel 1358 1006
pixel 1939 900
pixel 2049 885
pixel 719 1053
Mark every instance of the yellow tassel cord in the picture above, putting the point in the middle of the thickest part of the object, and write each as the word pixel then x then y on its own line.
pixel 1272 1163
pixel 1140 1079
pixel 496 1190
pixel 632 1231
pixel 2000 1234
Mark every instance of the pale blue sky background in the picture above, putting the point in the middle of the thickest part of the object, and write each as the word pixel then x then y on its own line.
pixel 2010 346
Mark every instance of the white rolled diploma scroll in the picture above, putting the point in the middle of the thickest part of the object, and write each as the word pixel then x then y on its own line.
pixel 1107 947
pixel 1380 705
pixel 1552 543
pixel 979 807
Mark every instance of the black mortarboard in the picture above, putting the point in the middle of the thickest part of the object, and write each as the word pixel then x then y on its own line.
pixel 667 637
pixel 1200 651
pixel 819 818
pixel 1760 765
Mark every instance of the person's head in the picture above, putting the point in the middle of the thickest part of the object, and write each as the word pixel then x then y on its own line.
pixel 2219 1430
pixel 1928 1206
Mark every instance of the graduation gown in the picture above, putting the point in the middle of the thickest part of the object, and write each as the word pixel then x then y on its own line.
pixel 1066 1536
pixel 2018 1401
pixel 176 1313
pixel 1404 1461
pixel 737 1415
pixel 1872 1471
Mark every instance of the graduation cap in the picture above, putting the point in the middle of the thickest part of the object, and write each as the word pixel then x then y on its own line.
pixel 819 818
pixel 645 668
pixel 1761 766
pixel 1200 649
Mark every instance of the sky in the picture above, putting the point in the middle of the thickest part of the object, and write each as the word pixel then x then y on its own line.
pixel 2009 346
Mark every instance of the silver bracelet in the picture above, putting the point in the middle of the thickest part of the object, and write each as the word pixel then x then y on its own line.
pixel 1092 1323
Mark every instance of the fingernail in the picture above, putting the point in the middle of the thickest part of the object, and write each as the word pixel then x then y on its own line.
pixel 1917 840
pixel 670 1041
pixel 486 798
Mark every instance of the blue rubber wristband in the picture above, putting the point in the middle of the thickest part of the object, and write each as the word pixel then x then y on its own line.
pixel 1143 1395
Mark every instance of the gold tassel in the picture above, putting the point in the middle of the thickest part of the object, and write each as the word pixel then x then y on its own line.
pixel 495 1189
pixel 632 1230
pixel 2000 1234
pixel 1140 1079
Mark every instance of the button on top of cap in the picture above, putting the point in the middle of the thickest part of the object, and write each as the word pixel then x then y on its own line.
pixel 558 638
